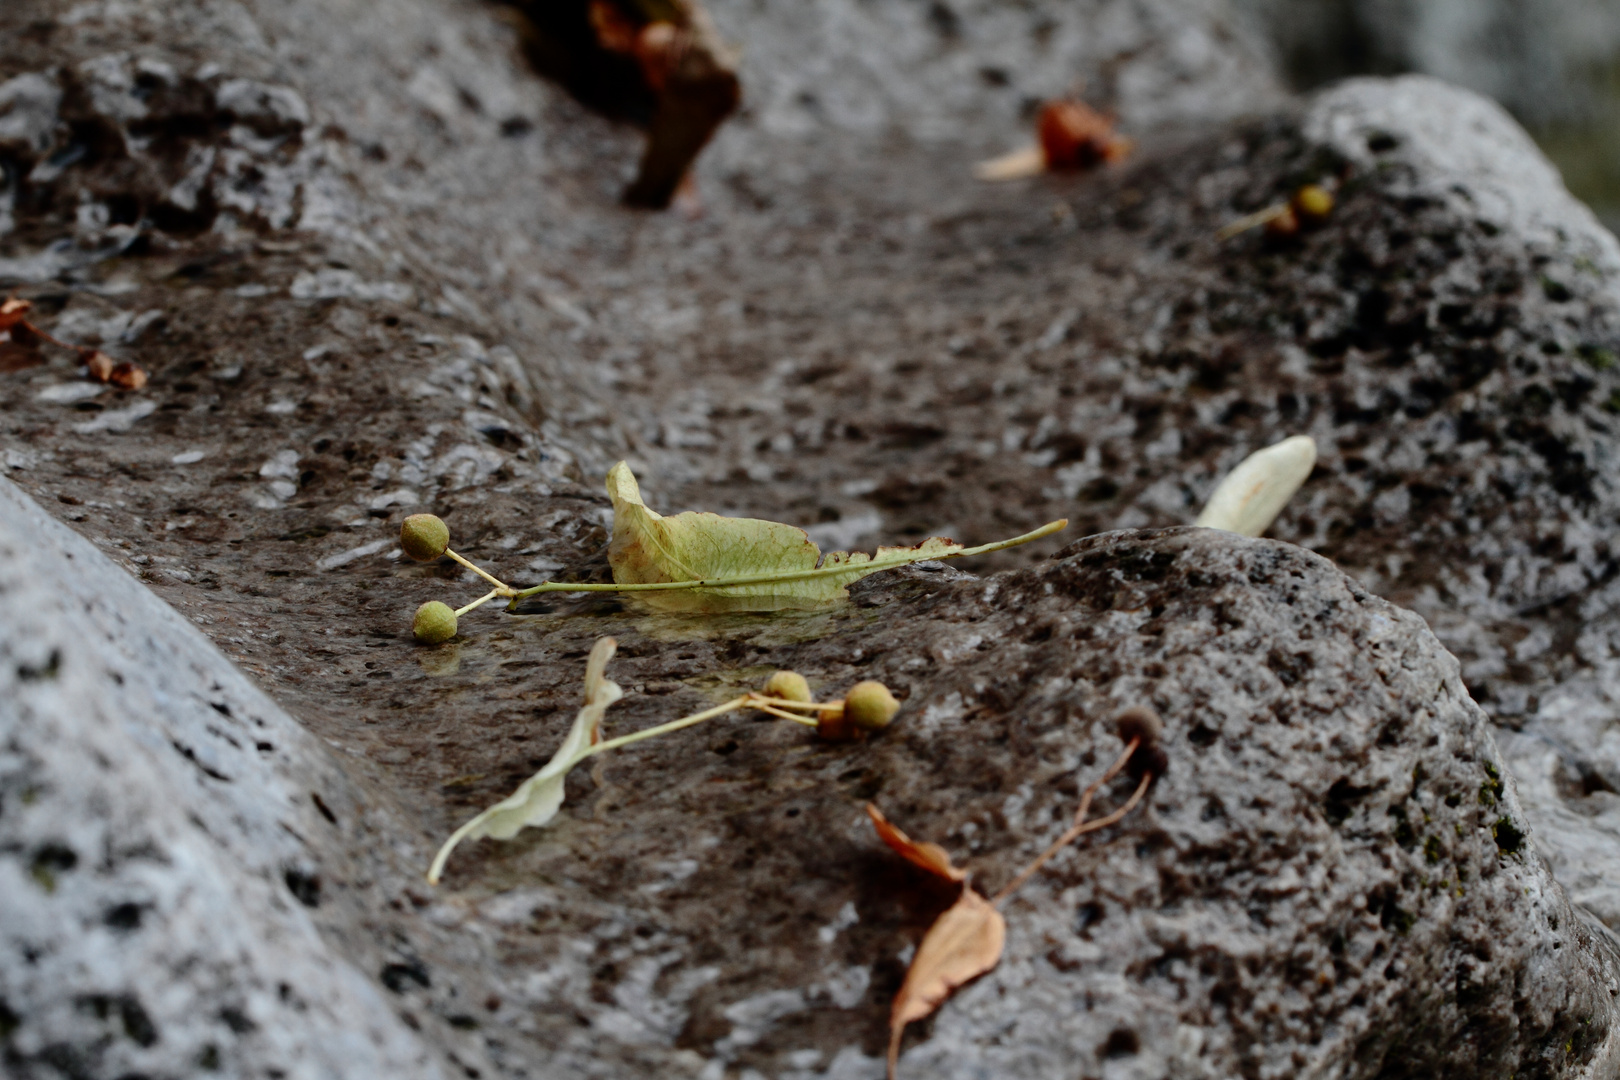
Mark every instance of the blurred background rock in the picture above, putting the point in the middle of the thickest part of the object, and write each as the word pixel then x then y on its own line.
pixel 1555 64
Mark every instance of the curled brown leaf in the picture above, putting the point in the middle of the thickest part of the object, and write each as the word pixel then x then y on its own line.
pixel 963 944
pixel 930 857
pixel 12 311
pixel 100 366
pixel 127 376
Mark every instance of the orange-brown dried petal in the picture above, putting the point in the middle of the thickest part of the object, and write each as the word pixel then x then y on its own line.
pixel 963 944
pixel 100 365
pixel 12 311
pixel 931 857
pixel 127 376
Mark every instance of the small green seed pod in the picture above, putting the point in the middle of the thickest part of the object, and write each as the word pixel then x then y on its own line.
pixel 1313 203
pixel 870 706
pixel 789 686
pixel 434 623
pixel 424 537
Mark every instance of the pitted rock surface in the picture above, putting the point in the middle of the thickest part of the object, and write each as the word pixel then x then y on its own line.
pixel 375 266
pixel 163 833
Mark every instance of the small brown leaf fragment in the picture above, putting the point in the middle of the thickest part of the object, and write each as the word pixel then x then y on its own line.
pixel 12 311
pixel 127 376
pixel 930 857
pixel 100 366
pixel 1075 136
pixel 963 944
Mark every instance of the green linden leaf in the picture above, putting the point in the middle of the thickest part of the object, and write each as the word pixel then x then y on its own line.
pixel 537 799
pixel 776 567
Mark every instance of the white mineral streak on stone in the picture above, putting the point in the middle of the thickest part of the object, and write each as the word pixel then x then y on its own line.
pixel 517 906
pixel 397 497
pixel 330 284
pixel 165 779
pixel 1254 493
pixel 644 1016
pixel 117 420
pixel 344 558
pixel 28 108
pixel 279 106
pixel 69 392
pixel 845 919
pixel 283 464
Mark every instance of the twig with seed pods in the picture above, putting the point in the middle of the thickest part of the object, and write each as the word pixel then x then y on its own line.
pixel 425 538
pixel 1309 205
pixel 868 707
pixel 967 940
pixel 98 365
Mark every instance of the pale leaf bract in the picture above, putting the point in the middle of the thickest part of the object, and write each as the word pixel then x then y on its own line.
pixel 1251 496
pixel 537 799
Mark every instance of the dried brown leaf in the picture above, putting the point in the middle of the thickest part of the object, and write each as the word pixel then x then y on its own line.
pixel 100 366
pixel 1075 136
pixel 12 311
pixel 127 376
pixel 930 857
pixel 963 944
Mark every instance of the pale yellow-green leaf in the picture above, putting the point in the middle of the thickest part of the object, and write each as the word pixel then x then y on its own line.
pixel 1251 496
pixel 537 799
pixel 650 548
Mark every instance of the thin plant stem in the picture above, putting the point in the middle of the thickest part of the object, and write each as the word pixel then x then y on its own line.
pixel 1251 221
pixel 505 589
pixel 1113 771
pixel 784 714
pixel 480 602
pixel 663 729
pixel 82 350
pixel 1081 826
pixel 813 706
pixel 843 569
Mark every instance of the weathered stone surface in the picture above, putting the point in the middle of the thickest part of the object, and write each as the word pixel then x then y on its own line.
pixel 404 283
pixel 1334 878
pixel 161 845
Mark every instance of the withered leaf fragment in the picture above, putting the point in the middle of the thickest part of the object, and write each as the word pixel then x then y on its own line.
pixel 963 944
pixel 100 366
pixel 966 941
pixel 12 311
pixel 127 376
pixel 930 857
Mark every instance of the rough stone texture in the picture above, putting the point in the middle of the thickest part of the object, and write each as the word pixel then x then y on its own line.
pixel 375 267
pixel 1334 878
pixel 160 845
pixel 965 72
pixel 1544 59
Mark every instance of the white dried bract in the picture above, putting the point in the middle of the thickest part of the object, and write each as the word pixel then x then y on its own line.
pixel 1254 493
pixel 537 799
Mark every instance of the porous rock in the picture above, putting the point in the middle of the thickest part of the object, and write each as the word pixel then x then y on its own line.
pixel 361 235
pixel 1334 877
pixel 156 851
